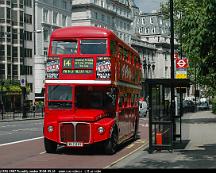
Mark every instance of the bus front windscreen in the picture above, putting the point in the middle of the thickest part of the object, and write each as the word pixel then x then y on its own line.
pixel 60 97
pixel 64 47
pixel 93 46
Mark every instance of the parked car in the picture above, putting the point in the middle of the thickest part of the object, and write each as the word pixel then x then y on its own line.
pixel 189 106
pixel 143 108
pixel 203 106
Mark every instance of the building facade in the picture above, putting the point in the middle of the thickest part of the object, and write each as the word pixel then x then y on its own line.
pixel 16 57
pixel 25 26
pixel 34 20
pixel 115 15
pixel 155 30
pixel 49 15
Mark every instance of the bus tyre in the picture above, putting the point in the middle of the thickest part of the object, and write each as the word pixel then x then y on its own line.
pixel 112 143
pixel 135 131
pixel 50 146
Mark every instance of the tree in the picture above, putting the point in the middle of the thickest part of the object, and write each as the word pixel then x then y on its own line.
pixel 195 23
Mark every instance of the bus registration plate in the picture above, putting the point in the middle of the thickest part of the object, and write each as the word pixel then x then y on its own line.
pixel 74 144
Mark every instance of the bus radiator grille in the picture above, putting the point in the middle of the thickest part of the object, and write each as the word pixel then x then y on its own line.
pixel 83 132
pixel 75 132
pixel 67 132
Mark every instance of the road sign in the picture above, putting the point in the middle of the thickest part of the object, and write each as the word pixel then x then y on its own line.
pixel 181 73
pixel 181 63
pixel 22 81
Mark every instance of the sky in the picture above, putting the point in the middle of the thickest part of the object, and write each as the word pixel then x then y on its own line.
pixel 147 6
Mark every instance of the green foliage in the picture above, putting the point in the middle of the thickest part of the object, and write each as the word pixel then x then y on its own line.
pixel 13 86
pixel 195 23
pixel 214 105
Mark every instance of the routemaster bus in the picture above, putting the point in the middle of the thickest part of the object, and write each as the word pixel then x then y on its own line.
pixel 92 89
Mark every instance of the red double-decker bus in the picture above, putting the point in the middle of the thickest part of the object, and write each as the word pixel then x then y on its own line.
pixel 92 89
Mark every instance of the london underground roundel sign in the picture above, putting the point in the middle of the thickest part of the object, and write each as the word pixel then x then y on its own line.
pixel 181 63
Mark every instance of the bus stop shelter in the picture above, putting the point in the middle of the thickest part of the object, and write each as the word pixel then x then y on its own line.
pixel 163 114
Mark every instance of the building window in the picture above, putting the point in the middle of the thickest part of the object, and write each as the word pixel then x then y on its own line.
pixel 46 35
pixel 21 3
pixel 28 18
pixel 28 3
pixel 103 17
pixel 151 20
pixel 65 4
pixel 55 16
pixel 45 15
pixel 28 36
pixel 14 52
pixel 102 3
pixel 45 51
pixel 161 22
pixel 21 18
pixel 143 21
pixel 96 15
pixel 15 69
pixel 8 13
pixel 29 70
pixel 28 53
pixel 55 3
pixel 108 20
pixel 64 18
pixel 14 3
pixel 166 72
pixel 114 8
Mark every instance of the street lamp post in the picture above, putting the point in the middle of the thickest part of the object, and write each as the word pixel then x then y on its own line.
pixel 172 70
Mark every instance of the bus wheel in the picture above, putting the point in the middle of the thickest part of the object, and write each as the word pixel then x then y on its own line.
pixel 50 146
pixel 112 143
pixel 135 131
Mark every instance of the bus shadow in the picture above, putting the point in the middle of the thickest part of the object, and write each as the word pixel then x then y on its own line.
pixel 96 149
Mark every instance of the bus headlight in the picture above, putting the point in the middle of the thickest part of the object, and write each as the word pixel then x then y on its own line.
pixel 50 129
pixel 101 130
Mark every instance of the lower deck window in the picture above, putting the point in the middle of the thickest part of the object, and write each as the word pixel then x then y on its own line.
pixel 60 97
pixel 94 98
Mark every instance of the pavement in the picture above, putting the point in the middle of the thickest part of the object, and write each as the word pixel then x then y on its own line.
pixel 198 147
pixel 15 116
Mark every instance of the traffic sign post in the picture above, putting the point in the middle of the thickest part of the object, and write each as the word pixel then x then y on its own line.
pixel 181 68
pixel 22 81
pixel 23 85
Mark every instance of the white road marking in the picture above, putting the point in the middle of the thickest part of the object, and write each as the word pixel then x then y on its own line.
pixel 26 129
pixel 5 133
pixel 143 145
pixel 14 125
pixel 8 126
pixel 43 152
pixel 130 146
pixel 16 142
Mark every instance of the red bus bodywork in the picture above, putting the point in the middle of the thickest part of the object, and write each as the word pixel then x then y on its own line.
pixel 92 89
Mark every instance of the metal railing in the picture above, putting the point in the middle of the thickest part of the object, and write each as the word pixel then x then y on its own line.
pixel 19 115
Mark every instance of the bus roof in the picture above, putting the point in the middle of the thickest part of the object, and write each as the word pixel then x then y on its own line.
pixel 86 32
pixel 81 31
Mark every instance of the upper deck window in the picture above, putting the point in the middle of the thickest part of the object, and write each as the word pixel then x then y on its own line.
pixel 93 46
pixel 64 47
